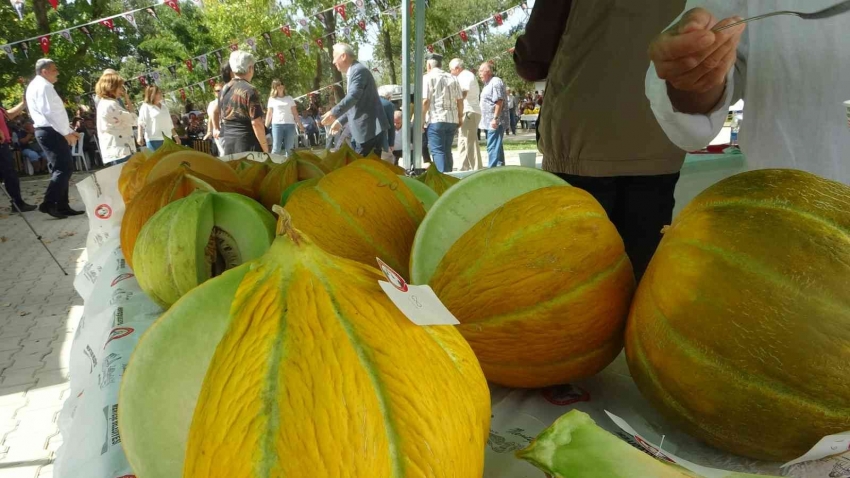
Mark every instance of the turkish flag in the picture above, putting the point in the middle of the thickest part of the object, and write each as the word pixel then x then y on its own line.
pixel 108 23
pixel 234 47
pixel 430 48
pixel 212 82
pixel 362 24
pixel 45 44
pixel 281 58
pixel 142 81
pixel 286 30
pixel 189 64
pixel 339 9
pixel 498 18
pixel 320 43
pixel 173 4
pixel 183 94
pixel 54 4
pixel 464 36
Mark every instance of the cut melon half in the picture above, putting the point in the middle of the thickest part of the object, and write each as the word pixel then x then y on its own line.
pixel 158 395
pixel 198 237
pixel 423 193
pixel 463 205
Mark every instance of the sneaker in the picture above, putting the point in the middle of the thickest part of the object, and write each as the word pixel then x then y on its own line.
pixel 24 207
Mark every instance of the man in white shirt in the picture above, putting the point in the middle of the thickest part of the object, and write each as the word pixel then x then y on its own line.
pixel 442 104
pixel 791 73
pixel 54 133
pixel 467 139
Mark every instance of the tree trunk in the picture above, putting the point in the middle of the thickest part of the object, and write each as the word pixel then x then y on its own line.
pixel 388 52
pixel 330 40
pixel 39 8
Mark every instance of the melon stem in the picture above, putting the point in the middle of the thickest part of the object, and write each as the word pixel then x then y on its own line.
pixel 284 225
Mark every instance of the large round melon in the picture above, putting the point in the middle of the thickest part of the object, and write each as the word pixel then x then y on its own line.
pixel 740 329
pixel 298 365
pixel 541 286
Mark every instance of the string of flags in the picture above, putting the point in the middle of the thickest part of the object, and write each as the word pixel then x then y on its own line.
pixel 482 27
pixel 191 89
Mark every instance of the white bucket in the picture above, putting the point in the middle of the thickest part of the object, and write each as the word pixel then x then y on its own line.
pixel 528 160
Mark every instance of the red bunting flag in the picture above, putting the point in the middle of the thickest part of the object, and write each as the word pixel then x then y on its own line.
pixel 362 24
pixel 320 42
pixel 211 82
pixel 234 47
pixel 281 58
pixel 174 5
pixel 286 30
pixel 45 44
pixel 54 4
pixel 498 19
pixel 430 48
pixel 340 9
pixel 183 94
pixel 464 36
pixel 189 64
pixel 108 23
pixel 142 80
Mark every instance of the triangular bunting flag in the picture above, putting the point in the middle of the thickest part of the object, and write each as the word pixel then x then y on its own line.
pixel 361 5
pixel 321 17
pixel 155 76
pixel 505 15
pixel 217 54
pixel 173 70
pixel 44 42
pixel 182 94
pixel 87 32
pixel 26 48
pixel 252 42
pixel 430 48
pixel 286 30
pixel 211 81
pixel 198 3
pixel 131 19
pixel 54 4
pixel 19 9
pixel 203 61
pixel 524 7
pixel 192 90
pixel 340 9
pixel 498 19
pixel 269 61
pixel 449 42
pixel 320 42
pixel 174 5
pixel 173 97
pixel 393 13
pixel 303 22
pixel 441 46
pixel 281 58
pixel 142 80
pixel 306 48
pixel 66 34
pixel 293 52
pixel 234 47
pixel 362 25
pixel 8 51
pixel 203 86
pixel 346 31
pixel 189 64
pixel 152 13
pixel 108 23
pixel 268 39
pixel 463 36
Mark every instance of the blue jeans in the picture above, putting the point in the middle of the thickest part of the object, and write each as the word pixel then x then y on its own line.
pixel 514 119
pixel 122 160
pixel 440 136
pixel 495 150
pixel 153 144
pixel 283 134
pixel 32 155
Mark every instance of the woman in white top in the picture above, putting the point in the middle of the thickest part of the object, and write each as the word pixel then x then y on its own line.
pixel 154 120
pixel 214 121
pixel 282 116
pixel 114 123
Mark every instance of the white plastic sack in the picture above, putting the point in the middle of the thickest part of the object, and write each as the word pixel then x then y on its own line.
pixel 104 206
pixel 115 315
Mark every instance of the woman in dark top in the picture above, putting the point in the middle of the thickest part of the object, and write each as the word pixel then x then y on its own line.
pixel 242 115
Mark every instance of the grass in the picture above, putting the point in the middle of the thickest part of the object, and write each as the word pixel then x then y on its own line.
pixel 521 145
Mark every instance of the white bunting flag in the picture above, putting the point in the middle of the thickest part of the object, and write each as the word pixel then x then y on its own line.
pixel 203 61
pixel 8 50
pixel 66 34
pixel 269 62
pixel 155 76
pixel 130 18
pixel 252 43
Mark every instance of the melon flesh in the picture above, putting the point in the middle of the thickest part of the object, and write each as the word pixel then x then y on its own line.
pixel 423 193
pixel 463 205
pixel 156 448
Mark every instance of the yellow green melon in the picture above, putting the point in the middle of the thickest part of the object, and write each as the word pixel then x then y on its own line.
pixel 298 365
pixel 740 329
pixel 439 182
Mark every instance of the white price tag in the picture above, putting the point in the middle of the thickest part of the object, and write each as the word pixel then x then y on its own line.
pixel 827 446
pixel 418 303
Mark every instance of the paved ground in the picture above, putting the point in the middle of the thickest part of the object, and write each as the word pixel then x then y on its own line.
pixel 39 311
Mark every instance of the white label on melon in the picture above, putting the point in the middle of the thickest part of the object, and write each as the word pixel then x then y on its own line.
pixel 418 303
pixel 827 446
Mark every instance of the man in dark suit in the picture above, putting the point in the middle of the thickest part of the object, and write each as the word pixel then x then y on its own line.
pixel 361 108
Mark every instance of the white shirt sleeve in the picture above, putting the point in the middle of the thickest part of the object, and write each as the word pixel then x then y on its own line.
pixel 143 116
pixel 695 131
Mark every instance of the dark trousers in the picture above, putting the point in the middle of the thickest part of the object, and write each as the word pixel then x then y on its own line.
pixel 58 153
pixel 9 175
pixel 372 145
pixel 513 120
pixel 639 206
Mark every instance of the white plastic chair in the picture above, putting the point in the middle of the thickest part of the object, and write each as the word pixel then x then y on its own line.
pixel 79 155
